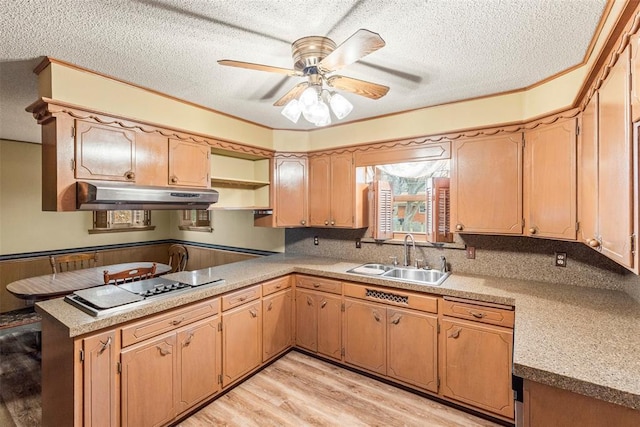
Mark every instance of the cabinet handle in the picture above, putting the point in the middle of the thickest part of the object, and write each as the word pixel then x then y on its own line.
pixel 594 243
pixel 316 285
pixel 174 179
pixel 396 320
pixel 532 230
pixel 326 222
pixel 105 344
pixel 242 298
pixel 270 306
pixel 323 303
pixel 459 227
pixel 188 341
pixel 455 334
pixel 333 222
pixel 278 286
pixel 309 301
pixel 130 175
pixel 476 314
pixel 303 222
pixel 163 351
pixel 177 322
pixel 376 316
pixel 253 312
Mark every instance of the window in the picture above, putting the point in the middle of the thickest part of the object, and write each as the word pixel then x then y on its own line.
pixel 121 220
pixel 420 198
pixel 196 220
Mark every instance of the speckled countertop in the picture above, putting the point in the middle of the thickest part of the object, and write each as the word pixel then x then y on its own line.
pixel 580 339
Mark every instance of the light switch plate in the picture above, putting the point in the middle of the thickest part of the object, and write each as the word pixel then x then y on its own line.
pixel 471 252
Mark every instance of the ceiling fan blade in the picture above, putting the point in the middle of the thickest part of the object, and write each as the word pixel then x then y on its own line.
pixel 359 87
pixel 293 93
pixel 360 44
pixel 259 67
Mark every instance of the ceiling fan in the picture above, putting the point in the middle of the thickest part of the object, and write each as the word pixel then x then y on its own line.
pixel 316 57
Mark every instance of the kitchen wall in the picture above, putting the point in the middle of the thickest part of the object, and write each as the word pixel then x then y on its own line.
pixel 24 227
pixel 500 256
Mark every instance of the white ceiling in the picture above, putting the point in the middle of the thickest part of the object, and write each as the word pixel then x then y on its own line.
pixel 437 51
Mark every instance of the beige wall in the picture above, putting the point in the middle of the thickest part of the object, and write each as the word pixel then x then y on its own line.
pixel 24 227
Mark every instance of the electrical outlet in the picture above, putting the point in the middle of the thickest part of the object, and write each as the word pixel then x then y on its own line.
pixel 315 240
pixel 471 252
pixel 561 259
pixel 358 243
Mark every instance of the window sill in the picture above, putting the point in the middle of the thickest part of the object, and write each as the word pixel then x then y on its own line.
pixel 120 230
pixel 203 229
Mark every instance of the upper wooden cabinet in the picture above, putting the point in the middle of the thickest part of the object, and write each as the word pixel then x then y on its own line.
pixel 335 199
pixel 486 185
pixel 608 151
pixel 105 153
pixel 290 192
pixel 550 181
pixel 189 164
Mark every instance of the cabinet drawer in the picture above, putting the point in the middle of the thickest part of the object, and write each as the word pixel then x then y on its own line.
pixel 276 285
pixel 156 325
pixel 390 296
pixel 494 314
pixel 319 284
pixel 240 297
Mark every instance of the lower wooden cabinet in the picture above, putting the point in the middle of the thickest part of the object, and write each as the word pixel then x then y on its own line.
pixel 276 324
pixel 318 322
pixel 198 362
pixel 365 335
pixel 150 382
pixel 412 350
pixel 101 382
pixel 241 341
pixel 476 365
pixel 398 343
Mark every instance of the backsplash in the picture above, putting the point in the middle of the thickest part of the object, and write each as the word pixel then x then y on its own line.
pixel 499 256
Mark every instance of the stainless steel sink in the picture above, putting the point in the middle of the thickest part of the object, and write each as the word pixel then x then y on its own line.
pixel 403 274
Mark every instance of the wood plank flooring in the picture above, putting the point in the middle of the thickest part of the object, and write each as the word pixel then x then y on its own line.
pixel 299 390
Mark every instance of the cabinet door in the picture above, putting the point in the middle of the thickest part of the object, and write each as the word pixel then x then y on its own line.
pixel 306 320
pixel 412 350
pixel 198 362
pixel 152 159
pixel 365 332
pixel 486 185
pixel 291 192
pixel 615 165
pixel 320 191
pixel 189 164
pixel 241 341
pixel 100 380
pixel 149 382
pixel 588 174
pixel 476 365
pixel 103 152
pixel 329 325
pixel 550 181
pixel 276 325
pixel 342 190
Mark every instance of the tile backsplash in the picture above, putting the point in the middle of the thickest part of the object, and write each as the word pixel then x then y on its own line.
pixel 500 256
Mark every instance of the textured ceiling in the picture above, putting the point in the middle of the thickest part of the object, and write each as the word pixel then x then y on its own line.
pixel 436 51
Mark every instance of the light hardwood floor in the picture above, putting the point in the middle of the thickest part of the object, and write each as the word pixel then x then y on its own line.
pixel 299 390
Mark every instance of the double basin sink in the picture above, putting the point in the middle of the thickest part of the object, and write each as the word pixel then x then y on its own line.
pixel 403 274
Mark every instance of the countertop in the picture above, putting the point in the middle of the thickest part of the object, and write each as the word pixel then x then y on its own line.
pixel 580 339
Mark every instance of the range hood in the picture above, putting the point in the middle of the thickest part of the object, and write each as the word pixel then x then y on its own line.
pixel 92 196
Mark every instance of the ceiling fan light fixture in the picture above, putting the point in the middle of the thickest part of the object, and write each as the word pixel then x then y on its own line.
pixel 292 110
pixel 308 98
pixel 340 106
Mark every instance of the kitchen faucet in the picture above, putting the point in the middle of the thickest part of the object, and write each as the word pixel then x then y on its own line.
pixel 406 248
pixel 443 264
